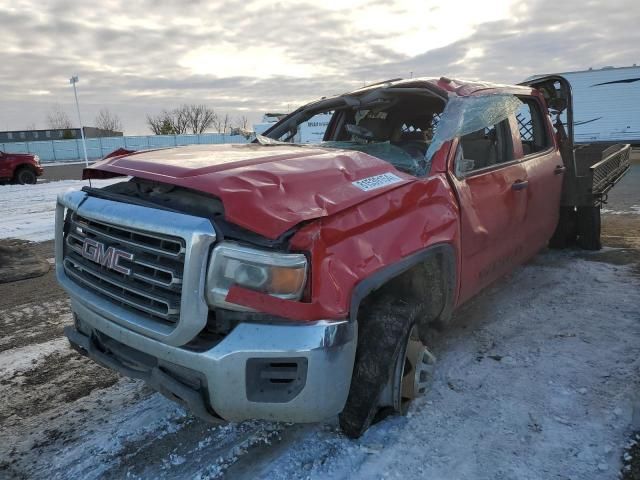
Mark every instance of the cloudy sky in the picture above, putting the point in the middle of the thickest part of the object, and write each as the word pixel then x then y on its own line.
pixel 245 57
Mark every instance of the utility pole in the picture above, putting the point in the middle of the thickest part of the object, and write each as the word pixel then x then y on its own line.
pixel 73 80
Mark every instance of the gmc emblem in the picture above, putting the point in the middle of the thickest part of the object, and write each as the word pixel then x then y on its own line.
pixel 95 251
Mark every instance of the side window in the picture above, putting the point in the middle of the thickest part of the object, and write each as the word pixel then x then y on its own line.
pixel 484 148
pixel 531 125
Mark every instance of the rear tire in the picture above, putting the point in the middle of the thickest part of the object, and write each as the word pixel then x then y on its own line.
pixel 567 229
pixel 589 227
pixel 26 176
pixel 385 324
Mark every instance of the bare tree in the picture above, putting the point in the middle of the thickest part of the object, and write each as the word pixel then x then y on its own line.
pixel 180 118
pixel 242 123
pixel 161 124
pixel 222 124
pixel 217 124
pixel 186 118
pixel 174 122
pixel 30 126
pixel 57 118
pixel 240 127
pixel 199 117
pixel 108 121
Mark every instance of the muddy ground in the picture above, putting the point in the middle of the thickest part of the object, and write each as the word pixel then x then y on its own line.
pixel 62 416
pixel 18 261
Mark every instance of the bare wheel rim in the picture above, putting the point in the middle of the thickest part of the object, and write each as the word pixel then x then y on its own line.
pixel 412 372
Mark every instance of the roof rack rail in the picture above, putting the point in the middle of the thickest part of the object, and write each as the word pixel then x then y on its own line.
pixel 383 82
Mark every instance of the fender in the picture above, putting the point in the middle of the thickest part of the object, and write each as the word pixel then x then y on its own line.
pixel 447 255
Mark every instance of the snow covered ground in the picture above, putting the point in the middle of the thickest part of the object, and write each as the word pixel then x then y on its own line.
pixel 535 379
pixel 28 211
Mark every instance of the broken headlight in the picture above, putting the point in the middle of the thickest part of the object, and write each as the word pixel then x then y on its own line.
pixel 282 275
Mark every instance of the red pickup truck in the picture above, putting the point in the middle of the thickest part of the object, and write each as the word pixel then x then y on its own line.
pixel 296 282
pixel 19 168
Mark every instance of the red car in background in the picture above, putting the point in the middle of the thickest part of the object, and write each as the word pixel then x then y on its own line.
pixel 22 168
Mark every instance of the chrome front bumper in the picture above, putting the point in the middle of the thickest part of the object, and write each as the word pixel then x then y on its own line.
pixel 328 348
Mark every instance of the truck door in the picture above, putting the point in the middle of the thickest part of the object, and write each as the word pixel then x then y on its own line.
pixel 545 171
pixel 556 91
pixel 491 185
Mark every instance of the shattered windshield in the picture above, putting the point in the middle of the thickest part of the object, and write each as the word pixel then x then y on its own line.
pixel 393 154
pixel 464 115
pixel 404 129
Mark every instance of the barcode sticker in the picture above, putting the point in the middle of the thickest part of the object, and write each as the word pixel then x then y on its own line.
pixel 377 181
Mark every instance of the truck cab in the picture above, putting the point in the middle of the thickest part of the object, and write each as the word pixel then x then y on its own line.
pixel 294 282
pixel 493 146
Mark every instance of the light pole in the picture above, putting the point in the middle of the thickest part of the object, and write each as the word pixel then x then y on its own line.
pixel 73 80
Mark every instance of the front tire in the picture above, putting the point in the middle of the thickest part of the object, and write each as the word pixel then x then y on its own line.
pixel 413 370
pixel 384 332
pixel 26 176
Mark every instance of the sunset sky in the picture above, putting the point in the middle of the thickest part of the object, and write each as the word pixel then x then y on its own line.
pixel 248 57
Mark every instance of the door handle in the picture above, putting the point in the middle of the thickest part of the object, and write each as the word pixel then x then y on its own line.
pixel 559 170
pixel 519 185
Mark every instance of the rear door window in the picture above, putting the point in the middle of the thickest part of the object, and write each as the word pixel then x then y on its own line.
pixel 532 127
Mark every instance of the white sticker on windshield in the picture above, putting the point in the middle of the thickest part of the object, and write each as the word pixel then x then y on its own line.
pixel 377 181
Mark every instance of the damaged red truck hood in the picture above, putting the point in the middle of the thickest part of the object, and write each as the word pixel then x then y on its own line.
pixel 267 189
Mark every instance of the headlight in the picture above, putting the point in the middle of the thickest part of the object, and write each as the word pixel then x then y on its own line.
pixel 282 275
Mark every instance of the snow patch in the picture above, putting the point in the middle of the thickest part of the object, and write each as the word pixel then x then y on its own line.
pixel 28 211
pixel 632 210
pixel 28 357
pixel 536 378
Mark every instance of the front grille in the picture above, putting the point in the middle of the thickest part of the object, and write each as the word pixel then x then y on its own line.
pixel 153 284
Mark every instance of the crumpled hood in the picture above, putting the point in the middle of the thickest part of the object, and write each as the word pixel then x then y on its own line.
pixel 266 189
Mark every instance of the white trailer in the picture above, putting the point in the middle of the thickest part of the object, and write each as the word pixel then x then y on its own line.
pixel 606 104
pixel 311 131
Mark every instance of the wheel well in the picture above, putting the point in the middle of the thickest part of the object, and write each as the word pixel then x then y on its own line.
pixel 24 166
pixel 427 278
